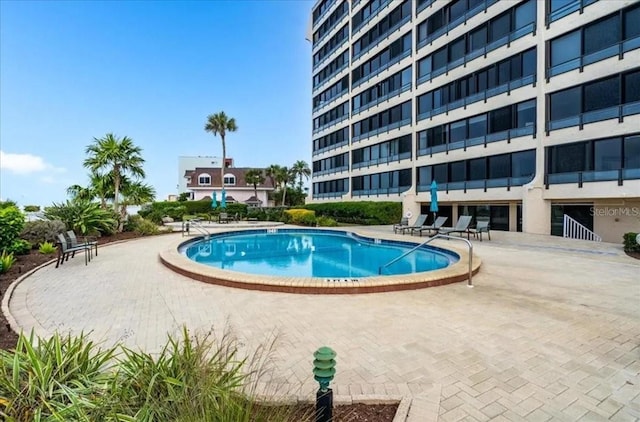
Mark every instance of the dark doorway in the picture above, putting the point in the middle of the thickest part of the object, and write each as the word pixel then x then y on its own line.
pixel 497 215
pixel 443 211
pixel 582 213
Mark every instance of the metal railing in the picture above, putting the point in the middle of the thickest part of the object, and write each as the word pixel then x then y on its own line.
pixel 187 225
pixel 573 230
pixel 437 236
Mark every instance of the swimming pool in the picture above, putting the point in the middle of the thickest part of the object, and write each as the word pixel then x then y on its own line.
pixel 313 253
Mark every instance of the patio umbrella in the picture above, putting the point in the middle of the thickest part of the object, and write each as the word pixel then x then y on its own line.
pixel 214 201
pixel 434 199
pixel 223 201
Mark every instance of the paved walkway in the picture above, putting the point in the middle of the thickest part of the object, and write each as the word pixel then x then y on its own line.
pixel 550 332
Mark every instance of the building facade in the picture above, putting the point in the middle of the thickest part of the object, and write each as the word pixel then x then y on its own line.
pixel 522 111
pixel 203 183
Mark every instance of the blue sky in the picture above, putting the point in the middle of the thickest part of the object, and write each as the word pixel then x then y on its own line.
pixel 72 71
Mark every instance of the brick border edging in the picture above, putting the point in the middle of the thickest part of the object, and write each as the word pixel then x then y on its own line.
pixel 312 289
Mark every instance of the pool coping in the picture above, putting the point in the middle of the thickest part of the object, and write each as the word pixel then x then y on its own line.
pixel 454 273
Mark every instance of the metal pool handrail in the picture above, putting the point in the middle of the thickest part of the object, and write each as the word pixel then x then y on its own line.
pixel 196 225
pixel 441 236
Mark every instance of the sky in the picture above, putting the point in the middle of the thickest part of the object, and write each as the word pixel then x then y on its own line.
pixel 72 71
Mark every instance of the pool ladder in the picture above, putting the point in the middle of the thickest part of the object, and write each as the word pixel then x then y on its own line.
pixel 195 223
pixel 438 236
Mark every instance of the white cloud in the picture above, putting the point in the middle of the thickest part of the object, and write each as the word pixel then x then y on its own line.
pixel 48 180
pixel 25 163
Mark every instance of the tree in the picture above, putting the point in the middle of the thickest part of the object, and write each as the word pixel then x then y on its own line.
pixel 135 193
pixel 220 124
pixel 118 157
pixel 283 177
pixel 271 173
pixel 301 169
pixel 254 177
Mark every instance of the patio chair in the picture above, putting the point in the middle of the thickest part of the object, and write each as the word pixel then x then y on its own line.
pixel 86 240
pixel 417 224
pixel 404 222
pixel 65 249
pixel 223 217
pixel 434 227
pixel 462 226
pixel 481 227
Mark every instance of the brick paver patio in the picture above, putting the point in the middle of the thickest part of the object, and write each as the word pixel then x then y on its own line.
pixel 550 332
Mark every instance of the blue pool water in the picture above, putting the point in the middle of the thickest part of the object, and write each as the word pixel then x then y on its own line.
pixel 312 253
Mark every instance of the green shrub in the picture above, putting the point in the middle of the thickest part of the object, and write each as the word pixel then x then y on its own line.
pixel 361 212
pixel 326 221
pixel 84 217
pixel 8 204
pixel 31 208
pixel 41 231
pixel 630 244
pixel 47 248
pixel 300 216
pixel 146 227
pixel 131 222
pixel 20 247
pixel 11 224
pixel 6 261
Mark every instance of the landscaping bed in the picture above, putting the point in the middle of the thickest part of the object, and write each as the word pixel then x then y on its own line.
pixel 352 413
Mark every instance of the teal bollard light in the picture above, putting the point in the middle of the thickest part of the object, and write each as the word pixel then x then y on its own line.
pixel 323 371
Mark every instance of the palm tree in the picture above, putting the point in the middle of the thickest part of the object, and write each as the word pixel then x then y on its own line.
pixel 118 157
pixel 254 177
pixel 220 124
pixel 135 193
pixel 301 169
pixel 80 193
pixel 271 173
pixel 283 177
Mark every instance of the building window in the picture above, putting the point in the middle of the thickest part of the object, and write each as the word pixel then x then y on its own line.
pixel 188 179
pixel 229 180
pixel 204 180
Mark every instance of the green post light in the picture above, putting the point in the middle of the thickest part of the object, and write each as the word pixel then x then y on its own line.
pixel 324 366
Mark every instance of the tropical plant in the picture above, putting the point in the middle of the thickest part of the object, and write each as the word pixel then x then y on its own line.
pixel 11 224
pixel 184 196
pixel 283 177
pixel 629 242
pixel 46 248
pixel 83 216
pixel 116 156
pixel 20 247
pixel 220 124
pixel 6 262
pixel 254 177
pixel 301 170
pixel 40 231
pixel 146 227
pixel 324 221
pixel 134 193
pixel 31 208
pixel 271 173
pixel 8 204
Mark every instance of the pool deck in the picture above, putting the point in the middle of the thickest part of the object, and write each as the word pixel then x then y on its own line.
pixel 551 330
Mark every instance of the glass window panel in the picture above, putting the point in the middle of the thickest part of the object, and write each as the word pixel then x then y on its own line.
pixel 406 110
pixel 602 94
pixel 559 4
pixel 632 152
pixel 500 27
pixel 406 42
pixel 492 77
pixel 482 81
pixel 384 119
pixel 436 21
pixel 406 76
pixel 396 114
pixel 477 169
pixel 607 154
pixel 437 136
pixel 523 164
pixel 478 38
pixel 477 126
pixel 527 114
pixel 424 66
pixel 422 31
pixel 424 175
pixel 631 19
pixel 440 173
pixel 601 35
pixel 565 48
pixel 404 177
pixel 424 102
pixel 440 58
pixel 457 9
pixel 565 103
pixel 458 171
pixel 525 14
pixel 499 166
pixel 529 62
pixel 504 72
pixel 458 131
pixel 500 120
pixel 516 67
pixel 569 158
pixel 632 87
pixel 456 50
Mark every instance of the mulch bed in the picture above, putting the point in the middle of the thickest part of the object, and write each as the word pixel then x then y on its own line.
pixel 8 340
pixel 635 255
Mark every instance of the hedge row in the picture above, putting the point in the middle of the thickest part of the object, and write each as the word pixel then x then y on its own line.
pixel 362 212
pixel 178 210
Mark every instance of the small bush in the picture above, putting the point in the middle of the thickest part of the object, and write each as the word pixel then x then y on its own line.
pixel 301 216
pixel 361 212
pixel 326 221
pixel 41 231
pixel 47 248
pixel 11 224
pixel 131 222
pixel 20 247
pixel 31 208
pixel 147 228
pixel 6 261
pixel 84 217
pixel 630 244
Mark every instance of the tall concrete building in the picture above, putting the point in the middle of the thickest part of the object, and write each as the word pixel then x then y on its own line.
pixel 521 111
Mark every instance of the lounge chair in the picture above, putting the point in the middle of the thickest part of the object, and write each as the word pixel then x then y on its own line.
pixel 462 226
pixel 435 226
pixel 417 224
pixel 87 240
pixel 481 227
pixel 223 217
pixel 404 223
pixel 65 249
